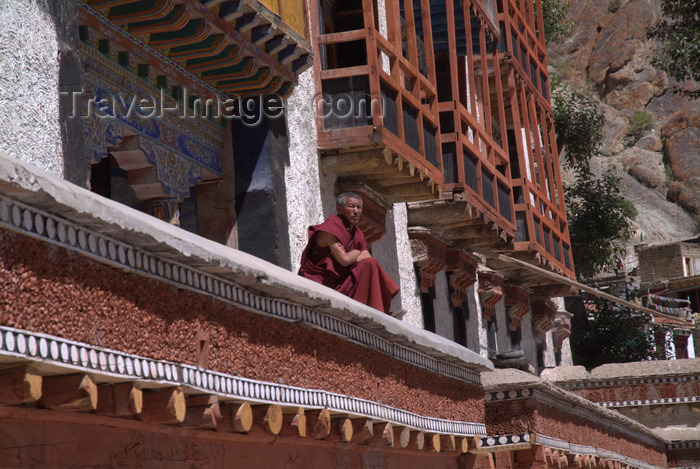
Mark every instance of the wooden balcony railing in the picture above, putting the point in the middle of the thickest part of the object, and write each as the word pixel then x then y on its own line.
pixel 441 88
pixel 524 41
pixel 377 97
pixel 472 124
pixel 540 210
pixel 540 213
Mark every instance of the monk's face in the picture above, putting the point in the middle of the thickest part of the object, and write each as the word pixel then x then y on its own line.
pixel 351 211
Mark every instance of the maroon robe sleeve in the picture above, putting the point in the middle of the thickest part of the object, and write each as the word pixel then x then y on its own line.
pixel 316 262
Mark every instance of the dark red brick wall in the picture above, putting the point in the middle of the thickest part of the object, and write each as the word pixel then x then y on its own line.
pixel 48 289
pixel 527 415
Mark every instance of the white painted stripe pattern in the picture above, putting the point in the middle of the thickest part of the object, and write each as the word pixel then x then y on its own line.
pixel 635 403
pixel 628 382
pixel 77 356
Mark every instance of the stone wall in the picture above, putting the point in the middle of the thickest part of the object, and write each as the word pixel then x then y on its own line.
pixel 84 440
pixel 671 253
pixel 88 302
pixel 410 296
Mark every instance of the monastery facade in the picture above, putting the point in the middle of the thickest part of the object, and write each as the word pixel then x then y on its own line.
pixel 160 162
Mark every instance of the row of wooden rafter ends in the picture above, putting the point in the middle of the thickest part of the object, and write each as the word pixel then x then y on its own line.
pixel 395 177
pixel 247 16
pixel 434 219
pixel 542 457
pixel 242 15
pixel 20 384
pixel 557 459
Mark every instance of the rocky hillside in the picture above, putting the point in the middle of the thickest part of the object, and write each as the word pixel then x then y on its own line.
pixel 651 135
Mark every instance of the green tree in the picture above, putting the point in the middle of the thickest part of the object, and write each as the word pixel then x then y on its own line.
pixel 556 24
pixel 679 34
pixel 578 123
pixel 604 332
pixel 600 218
pixel 599 221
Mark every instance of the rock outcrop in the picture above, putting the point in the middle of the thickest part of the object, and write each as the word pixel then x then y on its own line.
pixel 608 53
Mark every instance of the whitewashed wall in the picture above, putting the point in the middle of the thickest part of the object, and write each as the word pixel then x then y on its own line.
pixel 302 176
pixel 29 85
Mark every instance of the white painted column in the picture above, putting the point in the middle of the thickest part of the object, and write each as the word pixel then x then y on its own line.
pixel 302 175
pixel 30 128
pixel 475 331
pixel 394 254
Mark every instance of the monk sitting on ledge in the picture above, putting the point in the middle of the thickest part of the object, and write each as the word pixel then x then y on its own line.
pixel 337 257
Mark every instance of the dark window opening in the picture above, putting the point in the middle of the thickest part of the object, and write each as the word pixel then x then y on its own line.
pixel 389 112
pixel 521 233
pixel 460 326
pixel 513 155
pixel 516 338
pixel 427 306
pixel 410 127
pixel 491 342
pixel 449 162
pixel 346 102
pixel 443 77
pixel 487 187
pixel 429 142
pixel 460 314
pixel 540 356
pixel 346 16
pixel 470 175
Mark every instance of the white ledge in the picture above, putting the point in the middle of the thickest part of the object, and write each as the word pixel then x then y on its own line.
pixel 25 184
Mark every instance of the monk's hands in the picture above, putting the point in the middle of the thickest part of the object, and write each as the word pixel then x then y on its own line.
pixel 363 255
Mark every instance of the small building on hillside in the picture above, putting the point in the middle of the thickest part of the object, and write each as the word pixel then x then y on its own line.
pixel 669 276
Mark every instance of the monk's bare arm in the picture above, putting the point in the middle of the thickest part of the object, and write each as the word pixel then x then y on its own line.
pixel 324 239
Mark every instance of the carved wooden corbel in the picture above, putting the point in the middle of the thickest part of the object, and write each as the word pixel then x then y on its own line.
pixel 463 275
pixel 373 219
pixel 543 313
pixel 517 305
pixel 429 254
pixel 491 292
pixel 562 328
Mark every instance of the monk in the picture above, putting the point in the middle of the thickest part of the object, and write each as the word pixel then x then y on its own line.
pixel 337 257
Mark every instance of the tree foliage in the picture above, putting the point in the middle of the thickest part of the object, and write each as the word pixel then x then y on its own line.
pixel 599 221
pixel 679 34
pixel 605 332
pixel 600 218
pixel 556 24
pixel 578 123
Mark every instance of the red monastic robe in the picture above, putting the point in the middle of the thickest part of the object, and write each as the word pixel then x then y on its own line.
pixel 364 281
